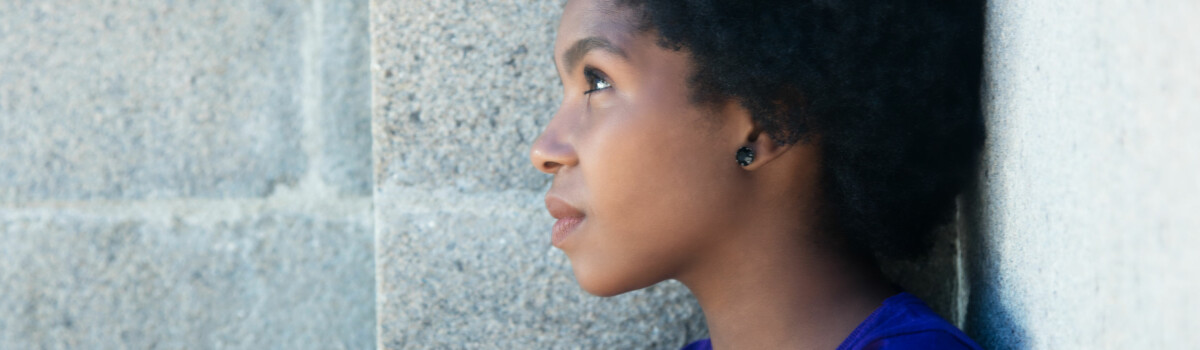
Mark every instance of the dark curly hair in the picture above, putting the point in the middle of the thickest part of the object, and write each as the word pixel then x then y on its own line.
pixel 889 90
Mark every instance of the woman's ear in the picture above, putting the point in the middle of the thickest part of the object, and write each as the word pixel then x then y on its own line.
pixel 755 148
pixel 763 149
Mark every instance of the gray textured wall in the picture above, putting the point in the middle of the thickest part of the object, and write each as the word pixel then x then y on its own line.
pixel 1085 224
pixel 199 175
pixel 185 174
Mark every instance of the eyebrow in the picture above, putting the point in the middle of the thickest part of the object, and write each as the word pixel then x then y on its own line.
pixel 581 48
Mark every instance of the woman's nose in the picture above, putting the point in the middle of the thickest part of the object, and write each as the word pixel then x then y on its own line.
pixel 553 150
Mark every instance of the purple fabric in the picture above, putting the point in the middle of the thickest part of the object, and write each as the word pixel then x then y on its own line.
pixel 702 344
pixel 903 322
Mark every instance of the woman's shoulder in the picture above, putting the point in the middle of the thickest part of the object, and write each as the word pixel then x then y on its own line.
pixel 902 322
pixel 702 344
pixel 905 322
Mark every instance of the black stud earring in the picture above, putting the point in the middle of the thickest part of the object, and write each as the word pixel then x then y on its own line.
pixel 745 156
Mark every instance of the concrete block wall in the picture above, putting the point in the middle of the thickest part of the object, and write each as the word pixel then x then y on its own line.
pixel 1084 225
pixel 350 174
pixel 185 174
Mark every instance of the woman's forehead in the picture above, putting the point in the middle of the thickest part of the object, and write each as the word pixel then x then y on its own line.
pixel 597 21
pixel 595 18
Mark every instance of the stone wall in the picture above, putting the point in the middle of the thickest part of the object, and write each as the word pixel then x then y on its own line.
pixel 1084 225
pixel 200 175
pixel 186 174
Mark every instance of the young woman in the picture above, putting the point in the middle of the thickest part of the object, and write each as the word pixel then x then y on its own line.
pixel 764 154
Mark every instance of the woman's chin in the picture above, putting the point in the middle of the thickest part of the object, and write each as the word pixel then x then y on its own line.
pixel 605 285
pixel 602 289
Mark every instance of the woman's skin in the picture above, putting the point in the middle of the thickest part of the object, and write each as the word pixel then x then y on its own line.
pixel 647 189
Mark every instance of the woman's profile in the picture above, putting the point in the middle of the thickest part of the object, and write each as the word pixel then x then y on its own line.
pixel 765 154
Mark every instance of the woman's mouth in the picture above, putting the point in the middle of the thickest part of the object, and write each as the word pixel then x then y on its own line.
pixel 568 217
pixel 563 229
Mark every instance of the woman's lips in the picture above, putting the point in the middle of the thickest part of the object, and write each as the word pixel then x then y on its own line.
pixel 568 217
pixel 562 229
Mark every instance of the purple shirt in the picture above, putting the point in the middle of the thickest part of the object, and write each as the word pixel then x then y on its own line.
pixel 903 322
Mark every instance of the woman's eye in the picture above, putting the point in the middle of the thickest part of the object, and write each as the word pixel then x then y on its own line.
pixel 596 81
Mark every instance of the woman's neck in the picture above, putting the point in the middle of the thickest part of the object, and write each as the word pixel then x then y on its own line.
pixel 772 289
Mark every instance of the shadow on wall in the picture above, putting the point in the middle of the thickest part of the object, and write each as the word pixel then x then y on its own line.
pixel 988 320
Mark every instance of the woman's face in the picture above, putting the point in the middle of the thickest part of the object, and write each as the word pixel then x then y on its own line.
pixel 644 180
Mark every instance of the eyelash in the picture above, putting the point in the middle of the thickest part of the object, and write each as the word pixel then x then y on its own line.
pixel 596 80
